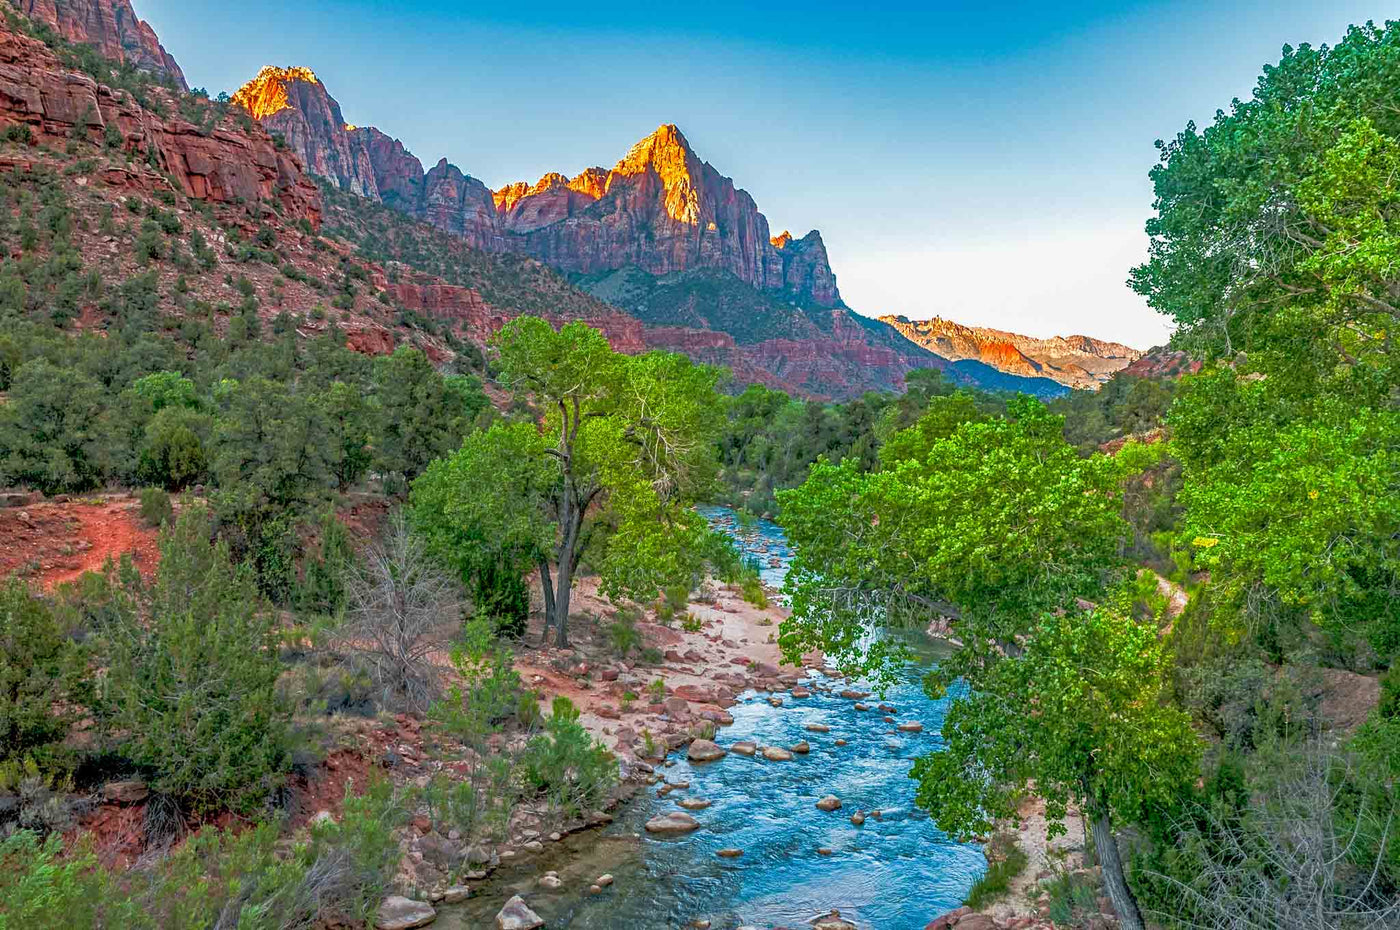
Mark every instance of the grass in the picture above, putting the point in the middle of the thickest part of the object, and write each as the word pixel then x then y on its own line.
pixel 1005 861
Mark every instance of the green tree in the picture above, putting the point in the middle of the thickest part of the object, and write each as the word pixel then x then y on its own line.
pixel 422 415
pixel 626 446
pixel 191 689
pixel 53 433
pixel 1000 525
pixel 348 423
pixel 42 672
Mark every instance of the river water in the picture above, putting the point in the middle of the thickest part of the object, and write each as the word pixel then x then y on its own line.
pixel 896 872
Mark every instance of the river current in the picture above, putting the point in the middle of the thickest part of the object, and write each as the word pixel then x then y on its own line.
pixel 894 872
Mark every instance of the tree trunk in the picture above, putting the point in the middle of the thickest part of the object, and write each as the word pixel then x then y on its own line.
pixel 547 586
pixel 561 599
pixel 1106 845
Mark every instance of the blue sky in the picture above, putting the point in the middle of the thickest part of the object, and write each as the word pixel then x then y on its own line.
pixel 981 161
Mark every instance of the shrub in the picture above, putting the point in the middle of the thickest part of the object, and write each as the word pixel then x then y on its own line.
pixel 623 633
pixel 42 687
pixel 397 607
pixel 751 588
pixel 155 506
pixel 191 694
pixel 566 765
pixel 1005 861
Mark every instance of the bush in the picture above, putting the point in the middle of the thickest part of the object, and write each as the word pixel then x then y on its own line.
pixel 623 633
pixel 566 765
pixel 42 688
pixel 191 694
pixel 155 506
pixel 751 588
pixel 1005 861
pixel 336 877
pixel 398 607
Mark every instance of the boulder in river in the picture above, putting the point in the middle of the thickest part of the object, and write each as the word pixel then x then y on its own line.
pixel 803 747
pixel 829 803
pixel 703 750
pixel 517 916
pixel 694 804
pixel 675 823
pixel 850 695
pixel 818 728
pixel 776 754
pixel 832 921
pixel 744 748
pixel 400 913
pixel 913 726
pixel 730 853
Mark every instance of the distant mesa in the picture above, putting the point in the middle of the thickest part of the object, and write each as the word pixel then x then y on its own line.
pixel 1075 361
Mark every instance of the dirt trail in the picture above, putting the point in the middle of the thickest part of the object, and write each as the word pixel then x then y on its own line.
pixel 50 542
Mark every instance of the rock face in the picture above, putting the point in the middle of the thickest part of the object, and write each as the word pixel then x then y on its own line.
pixel 226 165
pixel 294 104
pixel 663 210
pixel 1074 361
pixel 110 26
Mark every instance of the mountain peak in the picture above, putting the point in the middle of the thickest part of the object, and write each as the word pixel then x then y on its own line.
pixel 667 153
pixel 266 93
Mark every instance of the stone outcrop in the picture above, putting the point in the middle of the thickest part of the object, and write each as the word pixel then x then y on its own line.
pixel 224 164
pixel 1074 361
pixel 293 103
pixel 110 26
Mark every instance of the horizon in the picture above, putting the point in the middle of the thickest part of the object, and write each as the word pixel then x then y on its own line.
pixel 1016 153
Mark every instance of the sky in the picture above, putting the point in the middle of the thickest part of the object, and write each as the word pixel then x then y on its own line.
pixel 982 161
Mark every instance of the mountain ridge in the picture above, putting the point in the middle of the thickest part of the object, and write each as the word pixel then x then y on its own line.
pixel 1076 361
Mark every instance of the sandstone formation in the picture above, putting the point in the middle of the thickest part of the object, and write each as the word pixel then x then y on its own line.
pixel 1074 361
pixel 225 165
pixel 110 26
pixel 294 104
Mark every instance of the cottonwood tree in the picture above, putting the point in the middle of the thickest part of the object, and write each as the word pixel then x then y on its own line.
pixel 998 524
pixel 623 447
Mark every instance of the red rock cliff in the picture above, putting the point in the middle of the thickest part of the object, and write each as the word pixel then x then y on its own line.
pixel 226 165
pixel 112 27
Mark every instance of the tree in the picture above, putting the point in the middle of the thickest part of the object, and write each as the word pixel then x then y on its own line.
pixel 398 604
pixel 1001 526
pixel 349 430
pixel 191 689
pixel 1082 715
pixel 625 447
pixel 486 511
pixel 421 415
pixel 42 671
pixel 53 433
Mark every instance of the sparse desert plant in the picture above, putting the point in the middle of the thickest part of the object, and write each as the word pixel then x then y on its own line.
pixel 155 506
pixel 400 608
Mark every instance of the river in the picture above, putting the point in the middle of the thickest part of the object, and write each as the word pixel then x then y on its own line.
pixel 896 872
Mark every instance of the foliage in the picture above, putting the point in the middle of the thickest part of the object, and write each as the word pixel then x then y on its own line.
pixel 969 529
pixel 566 765
pixel 234 877
pixel 43 687
pixel 155 506
pixel 422 416
pixel 190 692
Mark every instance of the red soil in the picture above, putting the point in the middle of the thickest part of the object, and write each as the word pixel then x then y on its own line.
pixel 51 542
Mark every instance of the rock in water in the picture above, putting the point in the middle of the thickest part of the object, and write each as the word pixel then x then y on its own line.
pixel 776 754
pixel 744 748
pixel 829 803
pixel 400 913
pixel 912 727
pixel 516 916
pixel 675 823
pixel 702 750
pixel 832 921
pixel 694 804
